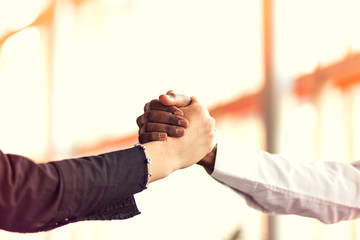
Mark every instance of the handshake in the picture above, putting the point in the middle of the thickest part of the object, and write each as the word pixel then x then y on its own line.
pixel 178 132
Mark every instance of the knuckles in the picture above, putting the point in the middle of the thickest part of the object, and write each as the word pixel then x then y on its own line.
pixel 146 127
pixel 153 104
pixel 172 120
pixel 148 116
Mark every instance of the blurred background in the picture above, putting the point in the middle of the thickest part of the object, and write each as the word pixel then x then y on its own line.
pixel 280 75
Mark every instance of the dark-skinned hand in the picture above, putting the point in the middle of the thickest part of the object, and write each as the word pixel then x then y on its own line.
pixel 160 121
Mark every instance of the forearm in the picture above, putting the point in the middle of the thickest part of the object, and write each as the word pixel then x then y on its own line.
pixel 327 191
pixel 94 182
pixel 35 196
pixel 28 192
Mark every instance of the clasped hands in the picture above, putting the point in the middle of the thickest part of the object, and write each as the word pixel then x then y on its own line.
pixel 185 124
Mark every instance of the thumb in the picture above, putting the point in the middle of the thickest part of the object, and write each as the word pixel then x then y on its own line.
pixel 173 99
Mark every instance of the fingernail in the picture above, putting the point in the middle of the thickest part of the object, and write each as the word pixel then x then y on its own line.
pixel 170 96
pixel 180 131
pixel 179 113
pixel 162 135
pixel 182 123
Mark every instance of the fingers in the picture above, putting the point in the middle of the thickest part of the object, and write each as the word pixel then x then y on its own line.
pixel 156 116
pixel 156 105
pixel 158 127
pixel 159 132
pixel 173 99
pixel 152 136
pixel 162 120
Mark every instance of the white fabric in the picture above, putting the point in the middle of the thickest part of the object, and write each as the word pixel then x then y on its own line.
pixel 327 191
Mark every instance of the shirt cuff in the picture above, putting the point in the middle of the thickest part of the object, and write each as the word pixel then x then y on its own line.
pixel 236 167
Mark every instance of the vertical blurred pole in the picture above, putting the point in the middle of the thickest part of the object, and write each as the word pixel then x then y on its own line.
pixel 269 96
pixel 49 58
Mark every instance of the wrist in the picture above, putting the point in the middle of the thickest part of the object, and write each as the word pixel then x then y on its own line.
pixel 208 162
pixel 148 161
pixel 162 163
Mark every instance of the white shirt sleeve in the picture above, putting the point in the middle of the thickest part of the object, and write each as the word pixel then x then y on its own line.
pixel 327 191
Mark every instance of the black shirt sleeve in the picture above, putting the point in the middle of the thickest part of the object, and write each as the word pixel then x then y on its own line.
pixel 36 197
